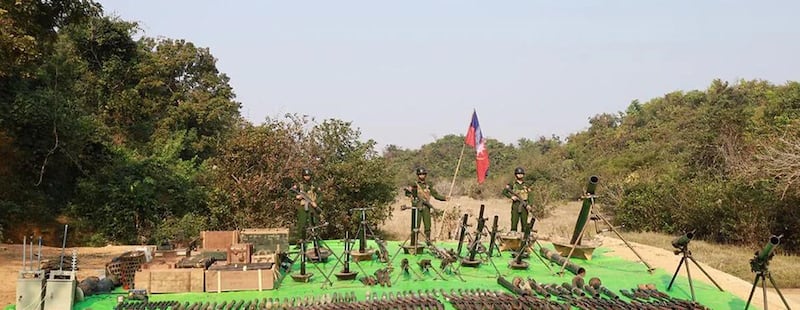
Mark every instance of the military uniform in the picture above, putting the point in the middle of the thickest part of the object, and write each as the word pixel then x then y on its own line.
pixel 518 187
pixel 421 192
pixel 306 218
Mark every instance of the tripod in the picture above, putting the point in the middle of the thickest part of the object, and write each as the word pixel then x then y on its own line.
pixel 591 198
pixel 688 255
pixel 760 265
pixel 363 228
pixel 527 245
pixel 414 248
pixel 763 275
pixel 346 273
pixel 317 241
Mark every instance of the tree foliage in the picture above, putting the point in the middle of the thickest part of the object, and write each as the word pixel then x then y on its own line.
pixel 255 168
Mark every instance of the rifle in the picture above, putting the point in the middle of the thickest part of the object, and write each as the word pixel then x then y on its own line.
pixel 308 200
pixel 522 203
pixel 415 197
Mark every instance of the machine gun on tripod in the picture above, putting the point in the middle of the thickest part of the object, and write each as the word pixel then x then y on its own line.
pixel 447 257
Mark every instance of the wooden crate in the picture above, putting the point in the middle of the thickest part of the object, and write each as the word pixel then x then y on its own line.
pixel 227 280
pixel 219 241
pixel 266 240
pixel 181 280
pixel 240 253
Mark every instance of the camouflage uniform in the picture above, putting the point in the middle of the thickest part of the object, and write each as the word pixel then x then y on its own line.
pixel 306 218
pixel 519 215
pixel 421 193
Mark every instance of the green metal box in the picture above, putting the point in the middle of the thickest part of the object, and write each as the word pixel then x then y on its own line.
pixel 266 240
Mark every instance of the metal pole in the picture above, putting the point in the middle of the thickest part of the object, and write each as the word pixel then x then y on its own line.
pixel 39 260
pixel 24 251
pixel 63 246
pixel 30 257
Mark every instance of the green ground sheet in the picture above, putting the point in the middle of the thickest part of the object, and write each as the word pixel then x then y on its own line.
pixel 615 273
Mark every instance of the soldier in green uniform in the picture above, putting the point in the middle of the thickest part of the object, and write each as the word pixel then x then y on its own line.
pixel 421 193
pixel 309 198
pixel 518 191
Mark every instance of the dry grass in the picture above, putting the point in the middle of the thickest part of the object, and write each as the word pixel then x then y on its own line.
pixel 734 260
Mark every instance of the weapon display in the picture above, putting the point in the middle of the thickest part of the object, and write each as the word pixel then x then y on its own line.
pixel 462 233
pixel 761 260
pixel 683 241
pixel 473 247
pixel 681 245
pixel 591 186
pixel 558 259
pixel 414 248
pixel 346 274
pixel 760 265
pixel 517 263
pixel 492 235
pixel 315 240
pixel 383 252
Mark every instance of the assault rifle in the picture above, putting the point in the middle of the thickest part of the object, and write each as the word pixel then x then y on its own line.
pixel 308 200
pixel 415 197
pixel 522 202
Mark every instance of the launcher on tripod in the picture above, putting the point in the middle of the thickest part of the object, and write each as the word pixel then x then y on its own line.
pixel 760 265
pixel 414 247
pixel 681 245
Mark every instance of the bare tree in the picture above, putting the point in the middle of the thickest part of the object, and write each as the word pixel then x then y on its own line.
pixel 781 160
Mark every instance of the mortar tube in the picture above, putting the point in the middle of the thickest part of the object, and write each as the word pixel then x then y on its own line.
pixel 462 233
pixel 585 208
pixel 492 235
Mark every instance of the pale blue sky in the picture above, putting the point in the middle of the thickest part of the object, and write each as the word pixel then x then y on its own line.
pixel 407 72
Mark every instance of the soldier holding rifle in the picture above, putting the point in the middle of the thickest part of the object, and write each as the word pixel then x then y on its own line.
pixel 309 198
pixel 518 191
pixel 421 193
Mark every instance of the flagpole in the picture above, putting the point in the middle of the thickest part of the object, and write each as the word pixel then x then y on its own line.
pixel 452 184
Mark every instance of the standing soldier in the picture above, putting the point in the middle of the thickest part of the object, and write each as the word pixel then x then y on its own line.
pixel 421 193
pixel 307 209
pixel 518 192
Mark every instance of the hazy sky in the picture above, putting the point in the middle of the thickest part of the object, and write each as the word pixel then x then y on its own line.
pixel 408 72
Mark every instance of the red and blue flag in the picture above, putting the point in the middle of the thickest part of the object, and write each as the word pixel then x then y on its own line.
pixel 476 140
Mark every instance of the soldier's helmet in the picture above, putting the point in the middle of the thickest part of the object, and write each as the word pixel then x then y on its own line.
pixel 306 172
pixel 421 171
pixel 519 170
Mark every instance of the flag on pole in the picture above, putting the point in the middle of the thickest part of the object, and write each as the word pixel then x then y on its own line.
pixel 475 139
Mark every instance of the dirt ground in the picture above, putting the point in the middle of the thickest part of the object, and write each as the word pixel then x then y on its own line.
pixel 555 227
pixel 91 262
